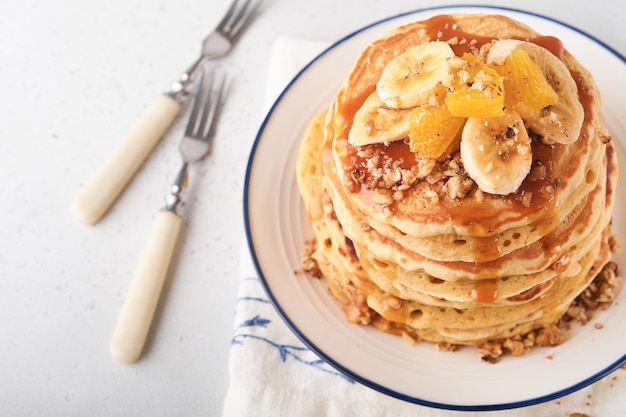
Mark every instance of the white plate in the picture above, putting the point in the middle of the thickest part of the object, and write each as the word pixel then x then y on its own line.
pixel 276 227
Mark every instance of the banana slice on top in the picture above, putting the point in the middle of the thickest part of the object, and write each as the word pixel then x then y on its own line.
pixel 496 152
pixel 560 122
pixel 413 77
pixel 375 122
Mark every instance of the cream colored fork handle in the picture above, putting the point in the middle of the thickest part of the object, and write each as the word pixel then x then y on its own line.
pixel 107 183
pixel 143 295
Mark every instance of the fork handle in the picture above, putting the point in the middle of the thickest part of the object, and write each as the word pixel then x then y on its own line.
pixel 97 196
pixel 143 295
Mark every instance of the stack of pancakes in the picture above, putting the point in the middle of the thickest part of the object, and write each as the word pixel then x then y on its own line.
pixel 464 268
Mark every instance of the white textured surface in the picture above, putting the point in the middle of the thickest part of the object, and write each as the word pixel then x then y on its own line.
pixel 74 76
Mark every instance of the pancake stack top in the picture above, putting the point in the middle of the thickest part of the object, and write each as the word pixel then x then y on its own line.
pixel 461 184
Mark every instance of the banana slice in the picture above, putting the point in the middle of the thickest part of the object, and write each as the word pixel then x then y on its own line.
pixel 496 152
pixel 560 122
pixel 376 123
pixel 413 77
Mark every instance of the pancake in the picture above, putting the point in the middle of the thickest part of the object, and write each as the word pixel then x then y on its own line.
pixel 419 229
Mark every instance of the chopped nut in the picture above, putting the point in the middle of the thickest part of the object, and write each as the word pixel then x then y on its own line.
pixel 383 196
pixel 392 176
pixel 378 171
pixel 547 192
pixel 526 198
pixel 358 175
pixel 307 262
pixel 456 165
pixel 550 336
pixel 516 347
pixel 434 177
pixel 425 166
pixel 490 351
pixel 530 339
pixel 458 187
pixel 447 347
pixel 577 313
pixel 409 177
pixel 597 296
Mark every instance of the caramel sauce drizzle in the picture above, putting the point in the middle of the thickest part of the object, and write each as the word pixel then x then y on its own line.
pixel 541 189
pixel 540 205
pixel 485 291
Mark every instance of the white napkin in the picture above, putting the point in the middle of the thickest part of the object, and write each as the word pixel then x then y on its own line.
pixel 273 374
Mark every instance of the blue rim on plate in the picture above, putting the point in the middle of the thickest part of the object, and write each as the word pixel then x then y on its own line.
pixel 314 345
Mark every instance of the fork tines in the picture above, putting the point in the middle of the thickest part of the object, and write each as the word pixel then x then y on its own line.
pixel 237 17
pixel 207 100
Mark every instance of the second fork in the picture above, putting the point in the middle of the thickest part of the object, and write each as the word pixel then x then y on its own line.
pixel 141 301
pixel 102 190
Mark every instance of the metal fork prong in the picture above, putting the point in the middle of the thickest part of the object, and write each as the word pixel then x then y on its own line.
pixel 200 98
pixel 238 22
pixel 208 106
pixel 245 20
pixel 209 128
pixel 224 24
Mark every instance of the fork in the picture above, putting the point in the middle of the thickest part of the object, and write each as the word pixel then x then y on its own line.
pixel 222 39
pixel 143 295
pixel 102 190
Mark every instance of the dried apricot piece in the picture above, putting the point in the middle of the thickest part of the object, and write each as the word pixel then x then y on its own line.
pixel 434 132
